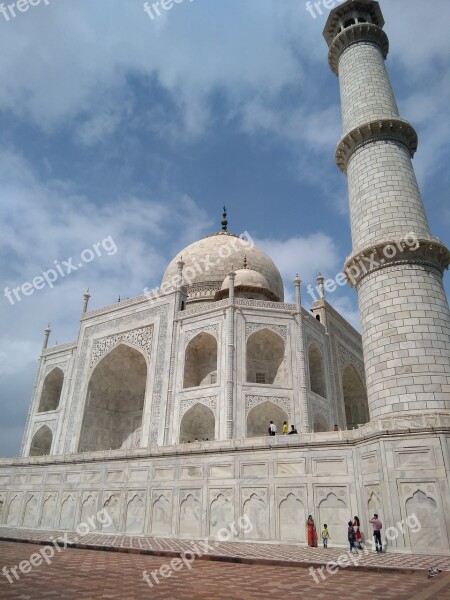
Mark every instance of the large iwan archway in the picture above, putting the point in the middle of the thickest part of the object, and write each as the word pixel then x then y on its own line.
pixel 355 398
pixel 115 401
pixel 51 391
pixel 266 359
pixel 198 423
pixel 200 365
pixel 42 442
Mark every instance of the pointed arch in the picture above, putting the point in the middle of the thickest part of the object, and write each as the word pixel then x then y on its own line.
pixel 317 382
pixel 334 512
pixel 320 423
pixel 200 362
pixel 51 391
pixel 355 398
pixel 41 443
pixel 259 417
pixel 198 423
pixel 266 358
pixel 115 401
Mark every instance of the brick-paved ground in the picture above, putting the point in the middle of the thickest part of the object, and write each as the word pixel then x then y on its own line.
pixel 280 553
pixel 76 574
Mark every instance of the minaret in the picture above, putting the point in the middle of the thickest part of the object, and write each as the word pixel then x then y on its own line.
pixel 396 265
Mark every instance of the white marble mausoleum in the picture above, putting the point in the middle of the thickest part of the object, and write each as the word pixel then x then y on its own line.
pixel 159 410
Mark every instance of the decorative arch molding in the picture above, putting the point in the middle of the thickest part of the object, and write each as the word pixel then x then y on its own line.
pixel 319 411
pixel 211 329
pixel 283 403
pixel 141 338
pixel 281 330
pixel 413 490
pixel 48 368
pixel 208 401
pixel 346 358
pixel 50 424
pixel 83 367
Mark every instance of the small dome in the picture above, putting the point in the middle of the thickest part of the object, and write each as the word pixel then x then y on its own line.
pixel 247 281
pixel 208 262
pixel 247 278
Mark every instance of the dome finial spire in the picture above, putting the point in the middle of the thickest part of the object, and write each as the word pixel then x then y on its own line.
pixel 245 262
pixel 224 219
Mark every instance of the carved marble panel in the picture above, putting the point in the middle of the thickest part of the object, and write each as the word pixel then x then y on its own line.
pixel 112 504
pixel 254 470
pixel 190 512
pixel 135 512
pixel 68 508
pixel 422 503
pixel 30 511
pixel 221 471
pixel 369 463
pixel 414 458
pixel 291 514
pixel 255 507
pixel 14 505
pixel 221 513
pixel 48 514
pixel 89 506
pixel 191 472
pixel 290 468
pixel 162 501
pixel 329 466
pixel 333 509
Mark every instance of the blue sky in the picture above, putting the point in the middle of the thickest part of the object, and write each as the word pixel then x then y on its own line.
pixel 113 124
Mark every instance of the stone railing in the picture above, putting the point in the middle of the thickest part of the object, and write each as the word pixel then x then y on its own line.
pixel 395 424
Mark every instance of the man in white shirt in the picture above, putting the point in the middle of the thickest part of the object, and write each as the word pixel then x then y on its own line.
pixel 272 428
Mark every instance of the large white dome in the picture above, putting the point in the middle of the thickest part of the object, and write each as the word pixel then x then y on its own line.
pixel 208 262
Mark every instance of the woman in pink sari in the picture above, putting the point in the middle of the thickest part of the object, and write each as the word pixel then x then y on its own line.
pixel 312 533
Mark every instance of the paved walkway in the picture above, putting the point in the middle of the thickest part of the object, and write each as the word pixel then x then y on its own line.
pixel 76 574
pixel 242 552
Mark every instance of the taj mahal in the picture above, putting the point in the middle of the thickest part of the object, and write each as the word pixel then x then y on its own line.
pixel 159 410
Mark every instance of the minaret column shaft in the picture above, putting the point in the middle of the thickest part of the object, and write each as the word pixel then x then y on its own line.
pixel 396 265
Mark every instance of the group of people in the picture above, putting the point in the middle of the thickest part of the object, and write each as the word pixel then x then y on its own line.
pixel 272 429
pixel 353 533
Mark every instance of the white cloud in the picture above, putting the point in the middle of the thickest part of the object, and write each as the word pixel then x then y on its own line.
pixel 306 256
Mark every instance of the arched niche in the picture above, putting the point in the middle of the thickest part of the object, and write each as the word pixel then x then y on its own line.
pixel 115 401
pixel 259 417
pixel 42 442
pixel 355 398
pixel 198 423
pixel 266 362
pixel 320 423
pixel 51 391
pixel 317 381
pixel 200 363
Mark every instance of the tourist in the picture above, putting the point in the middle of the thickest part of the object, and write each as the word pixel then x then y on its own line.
pixel 377 527
pixel 351 536
pixel 272 428
pixel 312 533
pixel 356 527
pixel 325 536
pixel 293 430
pixel 336 428
pixel 285 428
